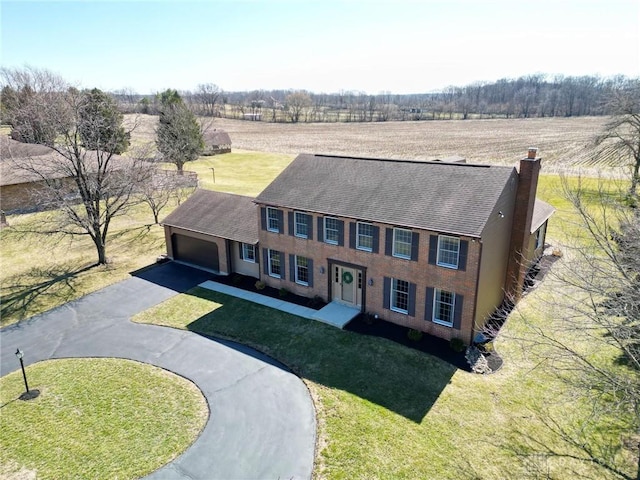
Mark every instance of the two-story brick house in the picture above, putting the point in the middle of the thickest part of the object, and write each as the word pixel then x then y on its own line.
pixel 433 246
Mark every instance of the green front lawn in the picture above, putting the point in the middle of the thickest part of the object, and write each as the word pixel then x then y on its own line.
pixel 96 418
pixel 387 411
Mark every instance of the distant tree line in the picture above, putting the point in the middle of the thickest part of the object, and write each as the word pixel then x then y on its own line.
pixel 528 96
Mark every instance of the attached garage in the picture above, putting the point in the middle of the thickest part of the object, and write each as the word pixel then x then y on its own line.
pixel 213 230
pixel 195 251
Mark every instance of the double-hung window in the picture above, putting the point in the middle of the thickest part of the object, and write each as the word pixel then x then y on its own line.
pixel 448 251
pixel 248 252
pixel 402 243
pixel 331 230
pixel 302 270
pixel 399 301
pixel 275 263
pixel 443 307
pixel 301 227
pixel 364 236
pixel 273 220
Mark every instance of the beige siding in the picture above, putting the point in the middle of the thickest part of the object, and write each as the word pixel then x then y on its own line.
pixel 242 266
pixel 496 239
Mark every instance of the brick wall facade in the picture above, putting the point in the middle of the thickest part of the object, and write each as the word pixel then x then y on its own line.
pixel 375 267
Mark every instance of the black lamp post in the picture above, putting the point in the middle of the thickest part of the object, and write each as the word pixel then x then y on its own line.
pixel 20 354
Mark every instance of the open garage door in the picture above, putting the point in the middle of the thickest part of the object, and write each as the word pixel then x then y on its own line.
pixel 195 251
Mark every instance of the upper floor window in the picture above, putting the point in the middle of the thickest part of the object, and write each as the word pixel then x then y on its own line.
pixel 301 225
pixel 402 243
pixel 248 252
pixel 331 230
pixel 443 307
pixel 448 251
pixel 273 220
pixel 399 295
pixel 275 263
pixel 364 236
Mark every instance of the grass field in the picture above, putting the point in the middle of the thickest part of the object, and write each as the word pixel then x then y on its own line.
pixel 411 416
pixel 96 418
pixel 563 143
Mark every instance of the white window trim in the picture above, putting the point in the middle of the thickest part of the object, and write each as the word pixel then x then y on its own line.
pixel 436 292
pixel 271 274
pixel 393 251
pixel 243 256
pixel 448 265
pixel 324 233
pixel 300 282
pixel 274 230
pixel 358 247
pixel 391 306
pixel 540 236
pixel 295 225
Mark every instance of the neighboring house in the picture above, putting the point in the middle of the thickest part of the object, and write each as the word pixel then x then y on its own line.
pixel 214 230
pixel 433 246
pixel 216 141
pixel 19 188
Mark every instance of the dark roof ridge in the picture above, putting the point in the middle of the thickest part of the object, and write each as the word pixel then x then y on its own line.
pixel 405 160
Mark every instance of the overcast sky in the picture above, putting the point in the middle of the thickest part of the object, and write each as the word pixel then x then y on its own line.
pixel 401 46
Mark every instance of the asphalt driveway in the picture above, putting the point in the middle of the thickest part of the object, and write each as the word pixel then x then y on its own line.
pixel 262 421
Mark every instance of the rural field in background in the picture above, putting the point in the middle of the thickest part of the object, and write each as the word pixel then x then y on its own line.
pixel 565 144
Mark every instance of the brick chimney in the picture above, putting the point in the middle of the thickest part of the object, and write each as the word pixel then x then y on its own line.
pixel 521 227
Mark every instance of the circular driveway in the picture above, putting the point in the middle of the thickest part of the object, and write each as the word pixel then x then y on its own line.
pixel 261 422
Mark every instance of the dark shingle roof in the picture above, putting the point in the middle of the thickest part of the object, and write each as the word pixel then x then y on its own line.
pixel 444 197
pixel 216 137
pixel 224 215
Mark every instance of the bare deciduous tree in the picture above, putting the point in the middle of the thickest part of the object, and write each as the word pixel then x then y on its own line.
pixel 619 141
pixel 591 340
pixel 86 188
pixel 207 95
pixel 296 103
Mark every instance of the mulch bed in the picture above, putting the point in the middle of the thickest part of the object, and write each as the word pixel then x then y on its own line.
pixel 429 344
pixel 249 284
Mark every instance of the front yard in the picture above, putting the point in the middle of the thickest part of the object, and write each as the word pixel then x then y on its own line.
pixel 387 411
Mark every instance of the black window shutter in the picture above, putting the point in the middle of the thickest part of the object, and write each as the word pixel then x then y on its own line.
pixel 241 245
pixel 320 229
pixel 310 268
pixel 352 234
pixel 411 307
pixel 375 231
pixel 282 265
pixel 263 218
pixel 340 233
pixel 280 221
pixel 388 242
pixel 428 305
pixel 290 218
pixel 462 258
pixel 309 227
pixel 265 263
pixel 256 253
pixel 292 268
pixel 433 249
pixel 386 293
pixel 457 312
pixel 415 245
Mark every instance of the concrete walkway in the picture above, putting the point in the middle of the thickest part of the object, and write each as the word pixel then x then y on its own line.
pixel 333 314
pixel 262 420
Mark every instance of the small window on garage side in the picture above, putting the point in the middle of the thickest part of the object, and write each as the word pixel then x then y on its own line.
pixel 248 253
